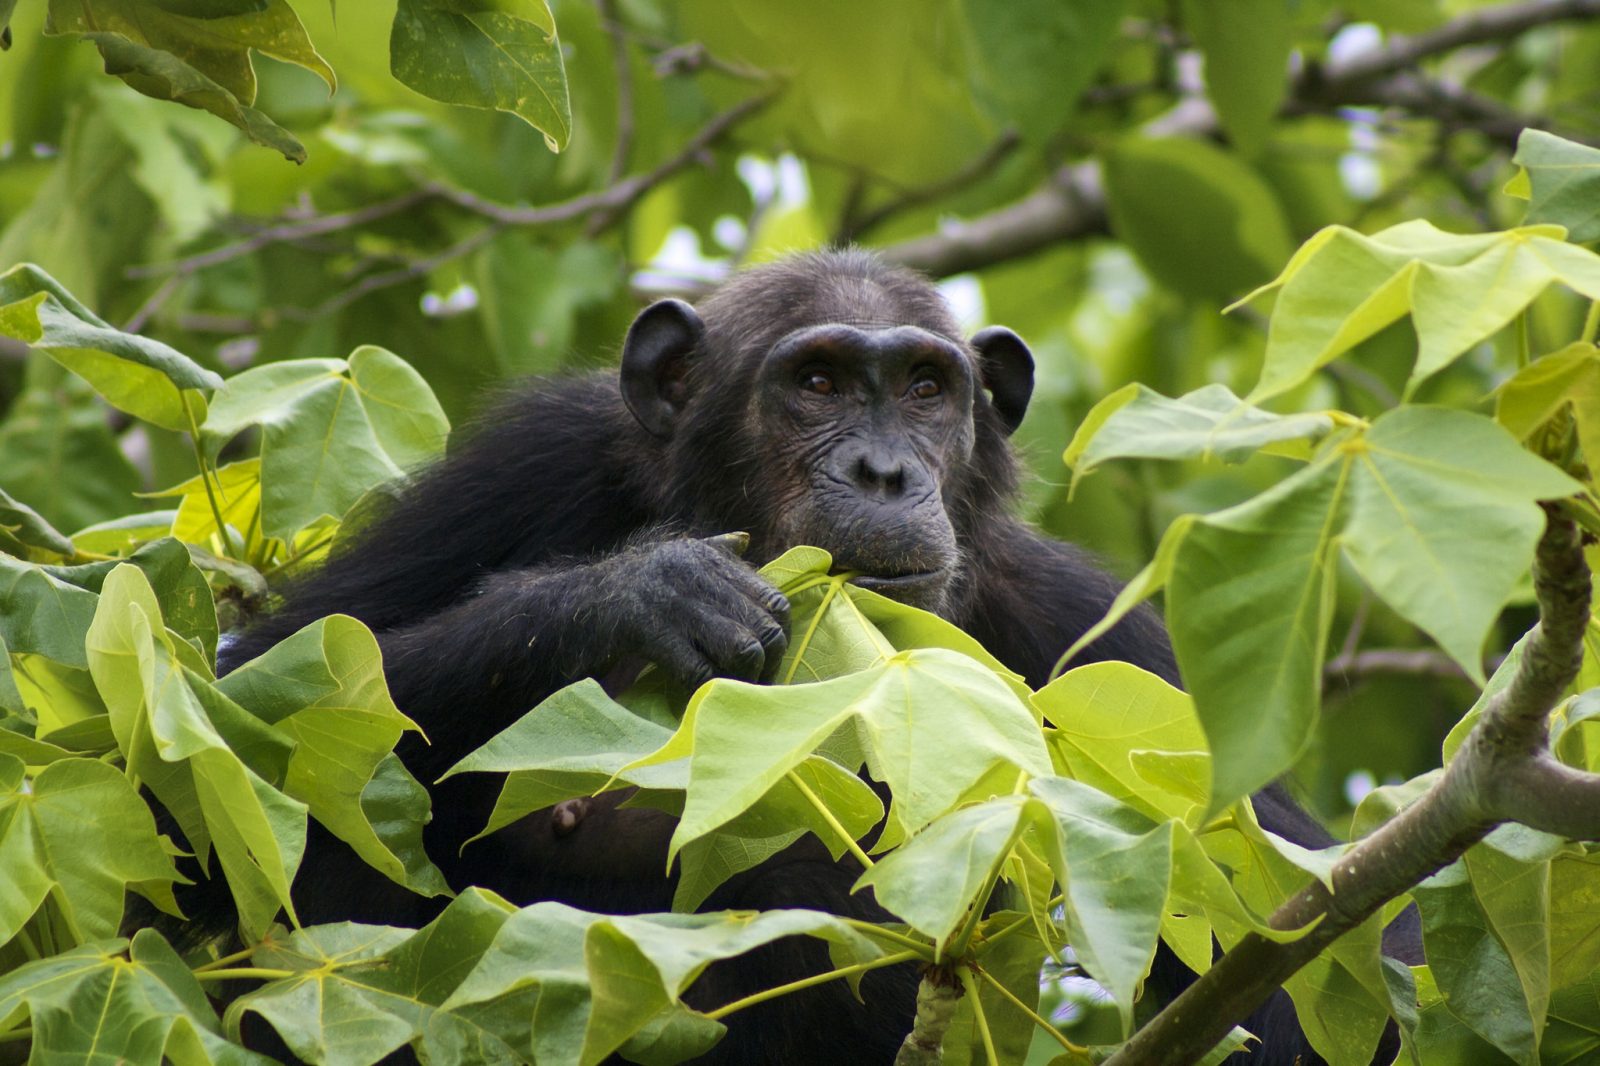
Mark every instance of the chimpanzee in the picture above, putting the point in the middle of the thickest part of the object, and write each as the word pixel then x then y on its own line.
pixel 826 399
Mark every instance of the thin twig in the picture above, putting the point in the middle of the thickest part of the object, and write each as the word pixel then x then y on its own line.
pixel 856 224
pixel 611 202
pixel 285 232
pixel 389 278
pixel 611 20
pixel 153 303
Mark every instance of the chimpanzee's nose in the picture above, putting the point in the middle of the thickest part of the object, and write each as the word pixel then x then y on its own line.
pixel 880 472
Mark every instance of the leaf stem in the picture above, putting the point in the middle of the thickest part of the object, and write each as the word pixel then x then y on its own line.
pixel 226 960
pixel 971 987
pixel 1523 343
pixel 29 948
pixel 1039 1020
pixel 815 979
pixel 963 938
pixel 811 630
pixel 872 929
pixel 1591 324
pixel 990 938
pixel 833 823
pixel 206 474
pixel 244 973
pixel 22 1032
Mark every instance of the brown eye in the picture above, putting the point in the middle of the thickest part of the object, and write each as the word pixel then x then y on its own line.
pixel 925 388
pixel 818 382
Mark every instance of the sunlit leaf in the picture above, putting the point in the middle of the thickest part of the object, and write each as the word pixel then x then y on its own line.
pixel 80 835
pixel 331 430
pixel 1563 183
pixel 500 54
pixel 1342 287
pixel 138 375
pixel 1136 422
pixel 93 1004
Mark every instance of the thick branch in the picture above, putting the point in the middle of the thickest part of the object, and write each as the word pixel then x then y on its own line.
pixel 1476 27
pixel 1073 204
pixel 1502 771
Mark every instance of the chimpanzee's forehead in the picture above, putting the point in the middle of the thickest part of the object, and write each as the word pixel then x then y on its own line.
pixel 854 288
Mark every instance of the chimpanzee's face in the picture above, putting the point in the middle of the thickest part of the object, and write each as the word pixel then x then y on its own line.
pixel 859 425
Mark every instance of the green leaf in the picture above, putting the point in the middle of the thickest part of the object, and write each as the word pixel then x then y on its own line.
pixel 1435 508
pixel 1114 866
pixel 1473 968
pixel 935 878
pixel 1563 183
pixel 22 528
pixel 600 980
pixel 324 689
pixel 186 741
pixel 1107 715
pixel 936 726
pixel 79 835
pixel 90 1004
pixel 500 54
pixel 181 589
pixel 61 457
pixel 41 614
pixel 199 57
pixel 1563 381
pixel 1443 523
pixel 331 430
pixel 1341 288
pixel 1034 35
pixel 1136 422
pixel 1199 220
pixel 135 374
pixel 361 992
pixel 1246 47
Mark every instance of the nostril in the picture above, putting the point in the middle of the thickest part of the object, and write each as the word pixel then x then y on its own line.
pixel 883 475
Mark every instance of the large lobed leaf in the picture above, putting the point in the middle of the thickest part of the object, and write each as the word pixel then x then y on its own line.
pixel 1560 179
pixel 78 835
pixel 96 1004
pixel 331 430
pixel 1342 287
pixel 190 744
pixel 486 982
pixel 1136 422
pixel 1435 508
pixel 135 374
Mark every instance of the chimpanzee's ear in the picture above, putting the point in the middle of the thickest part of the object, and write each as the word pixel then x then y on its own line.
pixel 1007 367
pixel 655 360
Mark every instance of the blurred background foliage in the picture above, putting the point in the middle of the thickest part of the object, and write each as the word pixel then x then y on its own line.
pixel 1104 176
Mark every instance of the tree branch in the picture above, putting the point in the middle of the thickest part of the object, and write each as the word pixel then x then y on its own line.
pixel 1476 27
pixel 1416 662
pixel 1377 77
pixel 603 208
pixel 1502 772
pixel 1071 205
pixel 858 221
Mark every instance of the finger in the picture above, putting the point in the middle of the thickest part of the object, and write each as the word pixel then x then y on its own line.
pixel 729 642
pixel 736 543
pixel 683 661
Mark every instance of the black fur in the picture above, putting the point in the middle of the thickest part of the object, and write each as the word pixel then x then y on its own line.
pixel 558 540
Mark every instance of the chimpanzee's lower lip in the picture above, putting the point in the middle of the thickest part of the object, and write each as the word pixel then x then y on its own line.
pixel 892 584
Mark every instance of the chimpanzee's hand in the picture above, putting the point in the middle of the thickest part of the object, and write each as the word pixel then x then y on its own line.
pixel 695 610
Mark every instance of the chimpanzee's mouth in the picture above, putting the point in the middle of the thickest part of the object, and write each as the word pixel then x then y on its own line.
pixel 912 587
